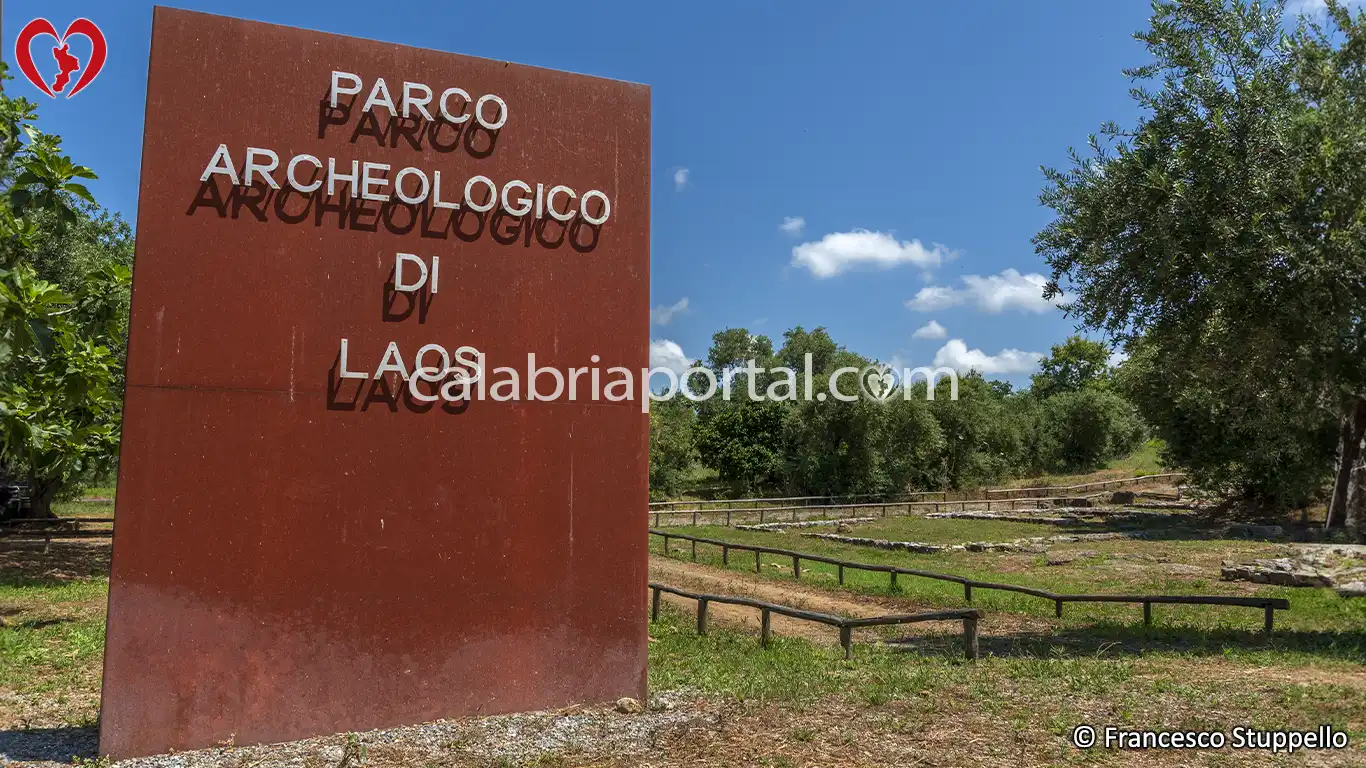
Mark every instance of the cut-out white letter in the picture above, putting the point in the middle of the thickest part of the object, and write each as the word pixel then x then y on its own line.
pixel 221 162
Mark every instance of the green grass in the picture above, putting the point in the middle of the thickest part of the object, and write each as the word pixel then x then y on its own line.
pixel 54 642
pixel 1041 683
pixel 1030 691
pixel 1143 461
pixel 1319 624
pixel 83 508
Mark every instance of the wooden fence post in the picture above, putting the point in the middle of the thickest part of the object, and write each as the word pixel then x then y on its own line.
pixel 654 604
pixel 847 640
pixel 666 543
pixel 727 518
pixel 893 585
pixel 841 568
pixel 1147 614
pixel 756 561
pixel 796 567
pixel 970 639
pixel 725 555
pixel 1270 618
pixel 702 616
pixel 694 518
pixel 967 592
pixel 765 618
pixel 694 550
pixel 1058 607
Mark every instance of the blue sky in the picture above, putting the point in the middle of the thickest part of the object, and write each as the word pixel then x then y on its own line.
pixel 867 167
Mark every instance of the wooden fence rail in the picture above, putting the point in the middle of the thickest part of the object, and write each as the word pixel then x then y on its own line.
pixel 1024 493
pixel 1268 604
pixel 882 508
pixel 969 617
pixel 900 497
pixel 55 528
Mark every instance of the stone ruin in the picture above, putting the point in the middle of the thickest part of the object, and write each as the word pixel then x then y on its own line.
pixel 1342 567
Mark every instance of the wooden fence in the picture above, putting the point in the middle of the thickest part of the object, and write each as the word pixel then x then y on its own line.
pixel 823 512
pixel 754 502
pixel 969 617
pixel 51 528
pixel 1268 604
pixel 902 498
pixel 1099 485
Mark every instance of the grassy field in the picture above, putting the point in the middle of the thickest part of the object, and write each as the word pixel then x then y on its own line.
pixel 910 699
pixel 52 644
pixel 800 703
pixel 84 508
pixel 1319 622
pixel 1016 707
pixel 1197 668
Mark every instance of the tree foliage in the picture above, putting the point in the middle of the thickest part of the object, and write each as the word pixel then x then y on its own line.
pixel 672 445
pixel 781 440
pixel 59 380
pixel 1223 233
pixel 1072 365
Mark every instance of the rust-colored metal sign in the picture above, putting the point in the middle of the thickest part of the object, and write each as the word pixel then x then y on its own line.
pixel 326 519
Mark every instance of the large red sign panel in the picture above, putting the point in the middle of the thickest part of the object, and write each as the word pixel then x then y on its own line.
pixel 326 520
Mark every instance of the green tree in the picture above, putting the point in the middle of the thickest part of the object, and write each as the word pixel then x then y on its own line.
pixel 672 449
pixel 1072 365
pixel 59 399
pixel 1089 427
pixel 982 445
pixel 1273 449
pixel 743 441
pixel 1232 215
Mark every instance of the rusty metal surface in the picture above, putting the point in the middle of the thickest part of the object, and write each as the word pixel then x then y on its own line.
pixel 291 559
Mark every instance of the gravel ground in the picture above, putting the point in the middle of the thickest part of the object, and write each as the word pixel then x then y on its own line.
pixel 579 734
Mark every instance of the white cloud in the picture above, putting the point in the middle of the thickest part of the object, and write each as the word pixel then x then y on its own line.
pixel 663 315
pixel 934 297
pixel 955 354
pixel 667 354
pixel 793 225
pixel 680 178
pixel 992 293
pixel 841 251
pixel 1314 7
pixel 1117 357
pixel 930 330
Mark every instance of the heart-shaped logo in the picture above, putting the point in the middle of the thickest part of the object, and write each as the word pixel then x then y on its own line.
pixel 67 63
pixel 877 382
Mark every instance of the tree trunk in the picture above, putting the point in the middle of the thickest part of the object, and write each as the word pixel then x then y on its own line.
pixel 1355 519
pixel 41 493
pixel 1350 456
